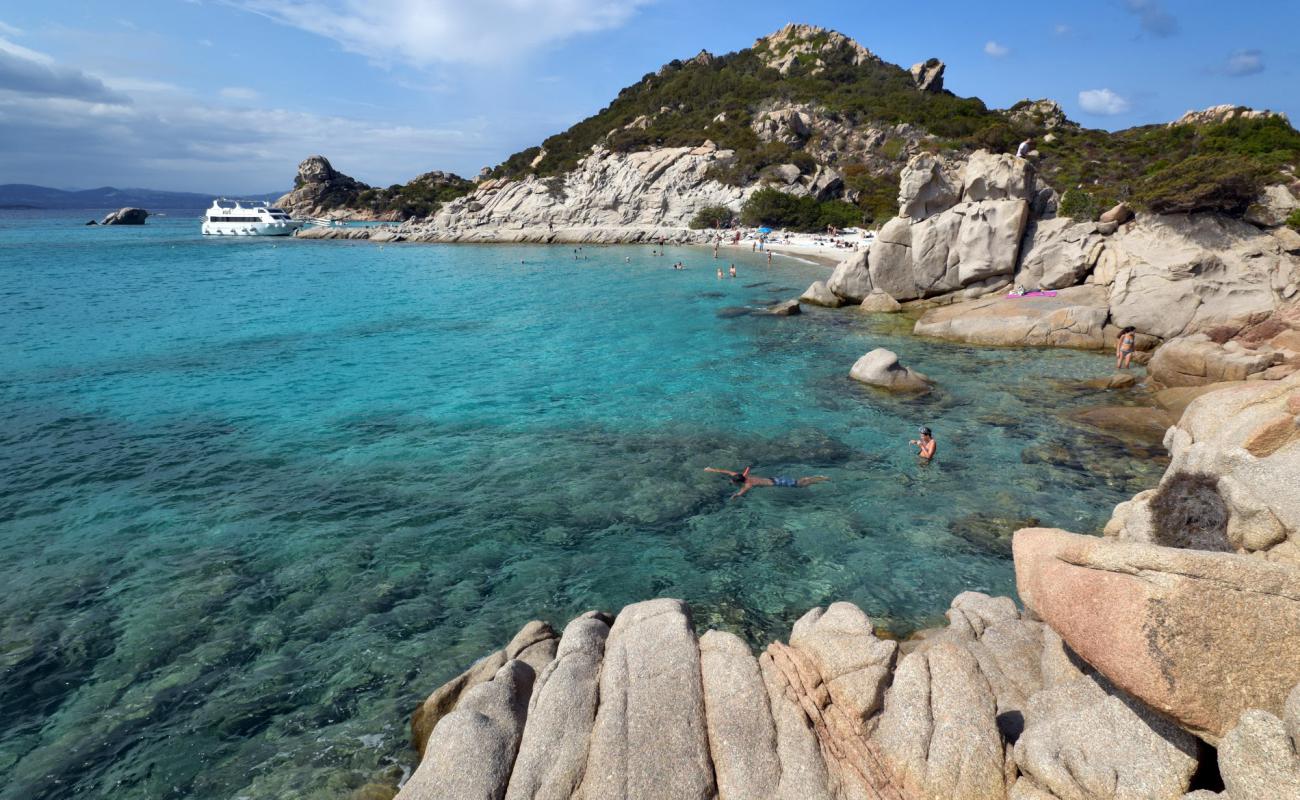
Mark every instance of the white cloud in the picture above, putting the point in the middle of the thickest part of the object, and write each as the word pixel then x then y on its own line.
pixel 1102 101
pixel 205 42
pixel 1245 62
pixel 996 50
pixel 9 30
pixel 241 94
pixel 1060 29
pixel 427 32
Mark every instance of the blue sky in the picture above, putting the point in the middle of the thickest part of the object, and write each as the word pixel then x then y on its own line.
pixel 228 95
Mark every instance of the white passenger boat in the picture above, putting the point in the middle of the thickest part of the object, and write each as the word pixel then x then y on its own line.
pixel 233 218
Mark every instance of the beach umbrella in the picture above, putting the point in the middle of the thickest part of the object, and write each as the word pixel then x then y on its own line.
pixel 764 230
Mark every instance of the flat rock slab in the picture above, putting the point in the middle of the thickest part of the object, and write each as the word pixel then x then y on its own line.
pixel 1138 423
pixel 649 741
pixel 1075 317
pixel 1147 617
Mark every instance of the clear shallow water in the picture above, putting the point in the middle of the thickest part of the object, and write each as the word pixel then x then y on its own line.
pixel 258 498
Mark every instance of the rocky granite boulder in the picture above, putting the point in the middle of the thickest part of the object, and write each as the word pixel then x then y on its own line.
pixel 958 225
pixel 851 280
pixel 1247 438
pixel 1179 275
pixel 1074 317
pixel 938 732
pixel 1058 253
pixel 1260 758
pixel 1217 115
pixel 927 186
pixel 853 664
pixel 1273 206
pixel 879 302
pixel 319 189
pixel 928 75
pixel 649 739
pixel 534 645
pixel 881 368
pixel 553 751
pixel 1085 739
pixel 742 735
pixel 472 750
pixel 811 48
pixel 1197 360
pixel 1198 636
pixel 662 188
pixel 819 295
pixel 785 308
pixel 126 216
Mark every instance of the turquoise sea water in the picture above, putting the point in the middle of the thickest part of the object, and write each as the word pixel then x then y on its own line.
pixel 258 498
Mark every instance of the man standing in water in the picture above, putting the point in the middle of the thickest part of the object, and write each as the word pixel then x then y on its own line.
pixel 926 445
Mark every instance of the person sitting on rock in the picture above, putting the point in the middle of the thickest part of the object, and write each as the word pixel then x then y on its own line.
pixel 1124 347
pixel 926 445
pixel 746 481
pixel 1023 150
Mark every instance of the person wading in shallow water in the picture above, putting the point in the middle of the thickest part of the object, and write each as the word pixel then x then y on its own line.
pixel 1124 347
pixel 926 445
pixel 746 481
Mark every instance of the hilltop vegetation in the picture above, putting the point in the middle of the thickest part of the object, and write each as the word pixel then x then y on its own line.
pixel 1161 168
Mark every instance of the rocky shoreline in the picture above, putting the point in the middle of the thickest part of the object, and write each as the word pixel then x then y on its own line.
pixel 1159 661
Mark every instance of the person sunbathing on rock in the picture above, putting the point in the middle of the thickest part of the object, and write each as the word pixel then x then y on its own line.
pixel 746 481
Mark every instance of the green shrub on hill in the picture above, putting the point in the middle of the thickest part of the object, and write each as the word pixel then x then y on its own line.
pixel 778 209
pixel 712 217
pixel 1293 221
pixel 421 197
pixel 1226 183
pixel 1080 206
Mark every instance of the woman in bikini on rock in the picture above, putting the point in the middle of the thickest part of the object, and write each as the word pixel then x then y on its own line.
pixel 746 481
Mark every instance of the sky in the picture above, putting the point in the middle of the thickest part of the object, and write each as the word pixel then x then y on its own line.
pixel 227 96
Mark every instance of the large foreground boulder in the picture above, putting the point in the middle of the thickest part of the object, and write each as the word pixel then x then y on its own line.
pixel 1182 274
pixel 1084 739
pixel 553 751
pixel 534 644
pixel 1074 317
pixel 649 739
pixel 1198 636
pixel 881 368
pixel 742 735
pixel 472 750
pixel 938 733
pixel 126 216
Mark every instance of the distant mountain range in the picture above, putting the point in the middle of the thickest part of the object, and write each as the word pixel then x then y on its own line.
pixel 23 195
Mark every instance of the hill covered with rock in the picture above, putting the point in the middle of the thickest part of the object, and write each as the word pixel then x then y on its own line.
pixel 319 190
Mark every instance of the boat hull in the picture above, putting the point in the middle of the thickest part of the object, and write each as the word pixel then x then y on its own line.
pixel 250 228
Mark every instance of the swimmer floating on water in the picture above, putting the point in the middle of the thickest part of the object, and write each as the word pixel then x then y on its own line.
pixel 747 481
